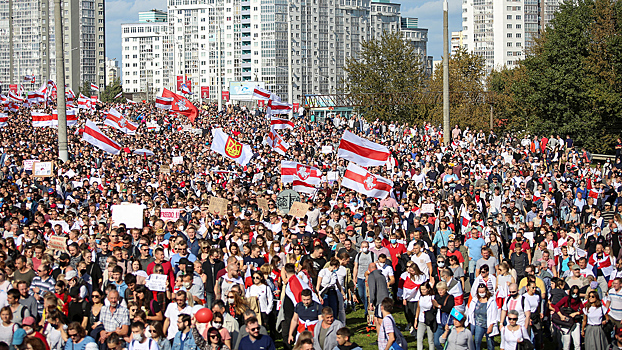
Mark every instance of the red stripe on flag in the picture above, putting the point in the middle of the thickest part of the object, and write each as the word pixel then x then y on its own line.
pixel 362 151
pixel 380 186
pixel 101 137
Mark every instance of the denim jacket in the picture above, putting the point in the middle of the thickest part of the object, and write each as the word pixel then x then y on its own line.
pixel 189 343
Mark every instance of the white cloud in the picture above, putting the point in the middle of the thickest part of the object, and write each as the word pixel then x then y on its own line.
pixel 430 16
pixel 124 11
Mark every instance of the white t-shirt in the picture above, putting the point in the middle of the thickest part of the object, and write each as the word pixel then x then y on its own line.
pixel 616 304
pixel 172 313
pixel 329 278
pixel 147 344
pixel 422 262
pixel 516 304
pixel 387 271
pixel 425 304
pixel 595 315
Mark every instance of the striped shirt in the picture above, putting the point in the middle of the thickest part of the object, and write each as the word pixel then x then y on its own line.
pixel 616 304
pixel 44 287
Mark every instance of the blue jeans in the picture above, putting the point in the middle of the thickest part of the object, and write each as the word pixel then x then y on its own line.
pixel 332 299
pixel 479 333
pixel 360 287
pixel 437 336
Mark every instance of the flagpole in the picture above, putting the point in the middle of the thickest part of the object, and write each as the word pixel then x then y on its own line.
pixel 60 83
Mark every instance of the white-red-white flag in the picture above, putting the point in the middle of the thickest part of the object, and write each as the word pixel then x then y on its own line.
pixel 364 182
pixel 275 141
pixel 303 178
pixel 13 106
pixel 130 101
pixel 277 107
pixel 118 95
pixel 281 123
pixel 97 138
pixel 4 119
pixel 15 97
pixel 118 121
pixel 94 87
pixel 261 94
pixel 294 289
pixel 42 119
pixel 362 151
pixel 164 102
pixel 36 97
pixel 84 102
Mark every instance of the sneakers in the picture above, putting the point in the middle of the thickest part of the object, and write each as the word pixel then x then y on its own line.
pixel 412 330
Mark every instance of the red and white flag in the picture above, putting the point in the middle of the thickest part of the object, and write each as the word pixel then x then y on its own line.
pixel 164 102
pixel 70 96
pixel 603 264
pixel 304 178
pixel 130 101
pixel 4 119
pixel 84 102
pixel 593 194
pixel 182 105
pixel 42 119
pixel 294 289
pixel 248 277
pixel 36 97
pixel 364 182
pixel 15 97
pixel 13 106
pixel 275 141
pixel 362 151
pixel 277 107
pixel 94 87
pixel 120 94
pixel 95 137
pixel 261 94
pixel 281 123
pixel 118 121
pixel 230 148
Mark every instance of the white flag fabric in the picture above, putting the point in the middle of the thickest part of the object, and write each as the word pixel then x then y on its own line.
pixel 281 123
pixel 364 182
pixel 275 141
pixel 277 107
pixel 304 178
pixel 164 102
pixel 94 87
pixel 42 119
pixel 97 138
pixel 362 151
pixel 118 121
pixel 4 119
pixel 261 94
pixel 230 148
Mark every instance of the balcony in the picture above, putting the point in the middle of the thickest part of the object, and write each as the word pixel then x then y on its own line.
pixel 246 31
pixel 246 21
pixel 246 56
pixel 246 65
pixel 246 12
pixel 246 47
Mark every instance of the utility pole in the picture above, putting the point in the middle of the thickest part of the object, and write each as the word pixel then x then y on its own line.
pixel 446 132
pixel 60 83
pixel 11 42
pixel 290 92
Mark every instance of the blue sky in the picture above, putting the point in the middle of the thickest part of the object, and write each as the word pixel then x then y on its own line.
pixel 430 14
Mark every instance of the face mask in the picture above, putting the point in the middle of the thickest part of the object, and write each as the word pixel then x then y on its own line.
pixel 148 334
pixel 574 296
pixel 63 263
pixel 482 295
pixel 187 285
pixel 364 250
pixel 230 300
pixel 217 325
pixel 276 249
pixel 30 331
pixel 329 240
pixel 393 240
pixel 380 265
pixel 369 239
pixel 137 337
pixel 441 264
pixel 615 229
pixel 82 272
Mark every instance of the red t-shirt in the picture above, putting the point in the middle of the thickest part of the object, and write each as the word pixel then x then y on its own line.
pixel 43 339
pixel 395 251
pixel 457 254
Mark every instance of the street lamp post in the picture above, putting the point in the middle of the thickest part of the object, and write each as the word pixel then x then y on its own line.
pixel 446 135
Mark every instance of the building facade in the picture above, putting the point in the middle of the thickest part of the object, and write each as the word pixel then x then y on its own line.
pixel 501 30
pixel 250 38
pixel 27 42
pixel 112 70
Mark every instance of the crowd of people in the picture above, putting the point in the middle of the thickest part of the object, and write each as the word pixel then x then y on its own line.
pixel 492 235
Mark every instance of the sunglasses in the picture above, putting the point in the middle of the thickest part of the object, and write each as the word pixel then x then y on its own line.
pixel 213 336
pixel 254 329
pixel 513 318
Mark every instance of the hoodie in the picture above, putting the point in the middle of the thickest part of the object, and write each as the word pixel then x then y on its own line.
pixel 353 346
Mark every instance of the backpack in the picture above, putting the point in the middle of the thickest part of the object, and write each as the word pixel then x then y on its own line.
pixel 399 337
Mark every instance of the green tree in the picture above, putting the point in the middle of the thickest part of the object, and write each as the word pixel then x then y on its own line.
pixel 467 73
pixel 506 85
pixel 387 65
pixel 85 89
pixel 572 75
pixel 111 91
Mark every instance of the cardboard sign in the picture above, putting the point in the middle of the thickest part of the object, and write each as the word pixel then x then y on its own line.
pixel 178 160
pixel 42 169
pixel 218 206
pixel 168 214
pixel 327 149
pixel 427 209
pixel 332 176
pixel 263 204
pixel 286 199
pixel 257 177
pixel 129 214
pixel 28 164
pixel 58 243
pixel 299 209
pixel 156 282
pixel 165 169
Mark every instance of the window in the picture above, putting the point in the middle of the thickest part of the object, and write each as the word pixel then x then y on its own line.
pixel 519 44
pixel 509 26
pixel 518 35
pixel 518 26
pixel 509 35
pixel 510 63
pixel 509 44
pixel 509 16
pixel 518 17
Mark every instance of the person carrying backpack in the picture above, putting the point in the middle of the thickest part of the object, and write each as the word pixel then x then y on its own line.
pixel 139 341
pixel 389 336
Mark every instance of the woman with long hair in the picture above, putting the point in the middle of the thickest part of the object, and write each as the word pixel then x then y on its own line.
pixel 495 245
pixel 235 306
pixel 568 312
pixel 308 274
pixel 276 250
pixel 441 238
pixel 214 339
pixel 421 323
pixel 328 286
pixel 98 302
pixel 7 327
pixel 594 317
pixel 218 323
pixel 410 280
pixel 144 300
pixel 156 332
pixel 482 315
pixel 263 292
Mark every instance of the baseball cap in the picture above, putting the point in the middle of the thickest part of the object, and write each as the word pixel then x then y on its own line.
pixel 350 228
pixel 18 336
pixel 357 216
pixel 619 332
pixel 576 267
pixel 71 274
pixel 28 321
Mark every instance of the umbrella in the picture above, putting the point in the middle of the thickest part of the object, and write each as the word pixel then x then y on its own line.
pixel 143 151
